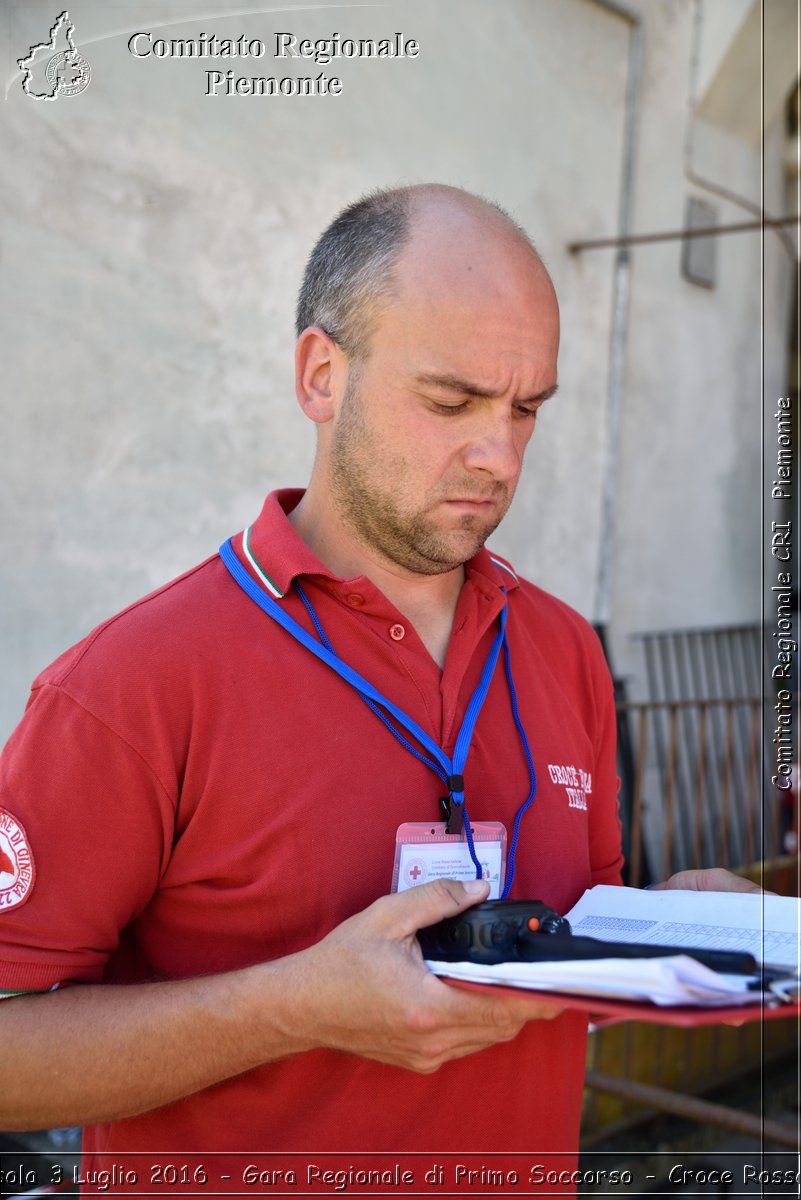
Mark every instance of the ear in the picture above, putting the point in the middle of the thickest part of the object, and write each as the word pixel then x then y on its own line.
pixel 320 374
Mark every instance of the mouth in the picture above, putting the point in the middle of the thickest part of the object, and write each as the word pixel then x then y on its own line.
pixel 472 504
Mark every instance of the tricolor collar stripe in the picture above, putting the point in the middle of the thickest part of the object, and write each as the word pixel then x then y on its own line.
pixel 504 567
pixel 272 588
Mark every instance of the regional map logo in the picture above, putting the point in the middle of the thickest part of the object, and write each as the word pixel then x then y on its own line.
pixel 55 68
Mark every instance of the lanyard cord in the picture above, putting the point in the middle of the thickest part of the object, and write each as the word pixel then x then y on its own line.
pixel 396 733
pixel 274 610
pixel 532 774
pixel 450 772
pixel 453 783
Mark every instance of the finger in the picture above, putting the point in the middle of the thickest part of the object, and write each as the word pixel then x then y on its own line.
pixel 488 1008
pixel 469 1032
pixel 709 879
pixel 520 1012
pixel 403 914
pixel 717 879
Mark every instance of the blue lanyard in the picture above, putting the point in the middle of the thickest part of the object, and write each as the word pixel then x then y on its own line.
pixel 449 770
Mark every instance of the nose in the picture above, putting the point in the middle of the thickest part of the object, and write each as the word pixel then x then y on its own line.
pixel 497 447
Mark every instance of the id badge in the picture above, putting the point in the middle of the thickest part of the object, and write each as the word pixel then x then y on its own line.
pixel 424 851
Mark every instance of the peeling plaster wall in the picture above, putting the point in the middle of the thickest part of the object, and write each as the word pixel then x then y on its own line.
pixel 153 239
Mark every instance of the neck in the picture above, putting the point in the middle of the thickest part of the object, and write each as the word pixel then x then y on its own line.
pixel 428 601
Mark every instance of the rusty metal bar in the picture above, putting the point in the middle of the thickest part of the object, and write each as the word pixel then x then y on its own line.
pixel 774 824
pixel 691 1107
pixel 694 746
pixel 667 858
pixel 700 775
pixel 687 1061
pixel 750 682
pixel 752 786
pixel 716 1052
pixel 628 1053
pixel 725 801
pixel 735 686
pixel 650 647
pixel 636 803
pixel 711 650
pixel 698 630
pixel 677 235
pixel 628 705
pixel 658 1035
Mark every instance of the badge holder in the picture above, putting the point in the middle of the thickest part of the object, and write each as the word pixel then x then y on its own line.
pixel 425 851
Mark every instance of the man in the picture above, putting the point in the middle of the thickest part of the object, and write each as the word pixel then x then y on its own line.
pixel 212 812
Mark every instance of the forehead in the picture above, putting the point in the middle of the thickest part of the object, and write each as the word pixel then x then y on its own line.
pixel 477 304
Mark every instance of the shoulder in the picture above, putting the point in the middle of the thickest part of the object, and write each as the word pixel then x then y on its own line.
pixel 555 645
pixel 149 677
pixel 152 630
pixel 149 671
pixel 549 635
pixel 541 612
pixel 554 615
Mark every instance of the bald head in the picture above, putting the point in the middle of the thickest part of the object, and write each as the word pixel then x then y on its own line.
pixel 396 239
pixel 444 308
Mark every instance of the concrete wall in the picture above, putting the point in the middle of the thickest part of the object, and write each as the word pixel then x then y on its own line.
pixel 153 238
pixel 748 49
pixel 688 546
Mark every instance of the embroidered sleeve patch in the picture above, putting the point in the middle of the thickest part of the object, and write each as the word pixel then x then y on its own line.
pixel 17 872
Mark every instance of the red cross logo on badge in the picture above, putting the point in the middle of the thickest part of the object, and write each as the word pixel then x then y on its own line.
pixel 415 872
pixel 17 871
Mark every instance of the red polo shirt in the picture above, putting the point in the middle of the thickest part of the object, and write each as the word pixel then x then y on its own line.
pixel 200 793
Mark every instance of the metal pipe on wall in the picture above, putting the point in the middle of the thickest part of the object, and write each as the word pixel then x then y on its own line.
pixel 618 338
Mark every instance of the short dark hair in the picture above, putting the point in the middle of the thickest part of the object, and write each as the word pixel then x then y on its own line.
pixel 350 268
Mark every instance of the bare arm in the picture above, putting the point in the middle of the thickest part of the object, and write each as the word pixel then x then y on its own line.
pixel 97 1053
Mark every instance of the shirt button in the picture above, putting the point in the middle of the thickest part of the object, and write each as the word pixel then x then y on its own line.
pixel 354 599
pixel 397 632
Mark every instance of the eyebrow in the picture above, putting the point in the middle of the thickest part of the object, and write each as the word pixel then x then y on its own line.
pixel 452 383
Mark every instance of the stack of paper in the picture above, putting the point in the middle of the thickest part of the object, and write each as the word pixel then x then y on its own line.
pixel 765 926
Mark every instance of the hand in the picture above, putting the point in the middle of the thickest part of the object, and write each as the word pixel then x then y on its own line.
pixel 365 988
pixel 712 879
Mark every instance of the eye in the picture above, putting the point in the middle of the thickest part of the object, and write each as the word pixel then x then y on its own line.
pixel 450 410
pixel 523 410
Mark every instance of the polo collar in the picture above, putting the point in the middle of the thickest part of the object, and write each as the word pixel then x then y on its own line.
pixel 276 554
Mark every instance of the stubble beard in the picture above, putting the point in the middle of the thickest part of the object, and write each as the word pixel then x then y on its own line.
pixel 373 514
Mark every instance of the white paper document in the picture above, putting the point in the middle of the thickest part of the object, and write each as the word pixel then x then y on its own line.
pixel 765 926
